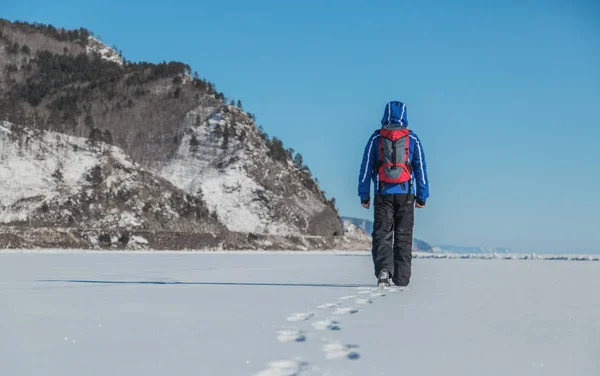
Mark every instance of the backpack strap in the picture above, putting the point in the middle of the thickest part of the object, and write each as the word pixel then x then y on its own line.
pixel 394 156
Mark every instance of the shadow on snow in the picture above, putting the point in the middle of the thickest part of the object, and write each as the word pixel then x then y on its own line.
pixel 203 283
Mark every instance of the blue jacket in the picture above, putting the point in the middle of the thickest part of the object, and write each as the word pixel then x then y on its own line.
pixel 395 113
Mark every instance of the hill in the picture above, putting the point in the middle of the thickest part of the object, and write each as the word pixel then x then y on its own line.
pixel 181 133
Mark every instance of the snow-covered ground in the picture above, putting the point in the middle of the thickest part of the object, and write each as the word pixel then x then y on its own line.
pixel 267 314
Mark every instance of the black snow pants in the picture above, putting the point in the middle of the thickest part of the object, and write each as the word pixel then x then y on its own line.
pixel 392 236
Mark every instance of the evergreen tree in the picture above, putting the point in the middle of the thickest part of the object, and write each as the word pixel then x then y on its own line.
pixel 194 143
pixel 94 136
pixel 89 120
pixel 291 152
pixel 299 160
pixel 107 137
pixel 226 133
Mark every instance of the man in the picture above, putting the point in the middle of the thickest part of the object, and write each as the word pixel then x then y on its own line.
pixel 395 162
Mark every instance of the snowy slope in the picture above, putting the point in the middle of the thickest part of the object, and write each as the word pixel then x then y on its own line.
pixel 229 191
pixel 223 314
pixel 95 47
pixel 363 224
pixel 28 162
pixel 351 230
pixel 225 162
pixel 52 179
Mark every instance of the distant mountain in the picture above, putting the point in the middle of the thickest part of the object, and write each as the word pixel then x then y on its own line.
pixel 366 227
pixel 420 245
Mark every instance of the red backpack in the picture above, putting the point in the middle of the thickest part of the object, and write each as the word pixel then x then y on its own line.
pixel 394 149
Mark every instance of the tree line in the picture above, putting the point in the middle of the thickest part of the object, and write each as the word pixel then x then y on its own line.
pixel 63 35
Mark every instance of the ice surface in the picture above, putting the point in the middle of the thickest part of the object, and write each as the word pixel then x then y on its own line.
pixel 75 313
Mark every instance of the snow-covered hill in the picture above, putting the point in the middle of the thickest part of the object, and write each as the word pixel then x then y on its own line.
pixel 351 230
pixel 226 162
pixel 178 151
pixel 363 224
pixel 58 190
pixel 52 179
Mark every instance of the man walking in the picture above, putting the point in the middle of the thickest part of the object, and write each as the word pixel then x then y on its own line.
pixel 395 162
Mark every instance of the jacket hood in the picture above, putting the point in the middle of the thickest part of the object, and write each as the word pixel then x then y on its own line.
pixel 395 113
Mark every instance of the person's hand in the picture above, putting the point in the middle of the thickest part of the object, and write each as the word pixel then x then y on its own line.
pixel 366 203
pixel 420 204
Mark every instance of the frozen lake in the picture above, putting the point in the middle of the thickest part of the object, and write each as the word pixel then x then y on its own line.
pixel 275 314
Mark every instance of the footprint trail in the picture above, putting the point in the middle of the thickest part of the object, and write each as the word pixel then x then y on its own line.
pixel 300 316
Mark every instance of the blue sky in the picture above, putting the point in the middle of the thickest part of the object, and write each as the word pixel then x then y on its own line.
pixel 505 97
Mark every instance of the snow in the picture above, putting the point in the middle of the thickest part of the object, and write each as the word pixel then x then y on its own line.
pixel 217 313
pixel 96 47
pixel 469 250
pixel 30 159
pixel 26 170
pixel 508 256
pixel 287 335
pixel 234 196
pixel 353 231
pixel 227 190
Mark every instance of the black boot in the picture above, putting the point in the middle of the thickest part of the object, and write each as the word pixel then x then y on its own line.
pixel 383 280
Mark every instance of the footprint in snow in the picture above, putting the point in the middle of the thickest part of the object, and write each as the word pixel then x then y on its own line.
pixel 300 316
pixel 367 291
pixel 395 288
pixel 336 350
pixel 283 368
pixel 328 305
pixel 363 301
pixel 289 335
pixel 345 310
pixel 327 325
